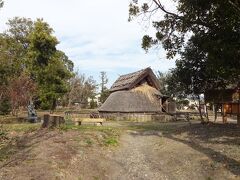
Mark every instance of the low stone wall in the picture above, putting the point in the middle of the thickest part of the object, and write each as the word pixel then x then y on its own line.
pixel 138 117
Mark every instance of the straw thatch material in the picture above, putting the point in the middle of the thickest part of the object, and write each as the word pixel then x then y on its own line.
pixel 140 99
pixel 129 81
pixel 148 91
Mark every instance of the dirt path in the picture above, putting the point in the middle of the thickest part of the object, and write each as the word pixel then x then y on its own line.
pixel 141 155
pixel 136 158
pixel 149 155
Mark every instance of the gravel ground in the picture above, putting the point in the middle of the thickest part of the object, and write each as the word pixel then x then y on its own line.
pixel 150 156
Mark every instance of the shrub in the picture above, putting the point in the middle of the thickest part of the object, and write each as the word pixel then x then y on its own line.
pixel 5 106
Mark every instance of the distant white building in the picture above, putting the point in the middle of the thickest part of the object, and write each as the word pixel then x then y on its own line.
pixel 95 99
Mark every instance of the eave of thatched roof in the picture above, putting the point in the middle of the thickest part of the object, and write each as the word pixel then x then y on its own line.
pixel 129 81
pixel 140 99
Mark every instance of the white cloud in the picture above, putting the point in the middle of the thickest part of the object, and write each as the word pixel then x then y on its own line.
pixel 132 61
pixel 94 34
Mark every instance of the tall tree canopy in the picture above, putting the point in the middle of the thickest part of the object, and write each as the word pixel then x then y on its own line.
pixel 13 50
pixel 49 67
pixel 1 3
pixel 28 49
pixel 19 29
pixel 17 43
pixel 210 26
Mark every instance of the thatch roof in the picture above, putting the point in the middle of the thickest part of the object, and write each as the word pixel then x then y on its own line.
pixel 129 81
pixel 140 99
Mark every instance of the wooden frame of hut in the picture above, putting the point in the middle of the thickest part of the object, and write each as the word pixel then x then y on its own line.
pixel 229 101
pixel 231 108
pixel 136 93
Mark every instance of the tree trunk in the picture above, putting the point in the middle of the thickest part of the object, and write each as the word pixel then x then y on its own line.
pixel 15 111
pixel 69 102
pixel 206 111
pixel 52 121
pixel 1 95
pixel 54 105
pixel 224 114
pixel 238 115
pixel 215 112
pixel 199 109
pixel 46 118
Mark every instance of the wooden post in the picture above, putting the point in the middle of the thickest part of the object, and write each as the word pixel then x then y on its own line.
pixel 238 110
pixel 238 115
pixel 55 121
pixel 46 118
pixel 215 112
pixel 160 104
pixel 238 120
pixel 224 109
pixel 52 121
pixel 62 120
pixel 167 106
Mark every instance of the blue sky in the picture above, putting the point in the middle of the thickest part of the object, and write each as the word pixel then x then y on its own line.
pixel 94 34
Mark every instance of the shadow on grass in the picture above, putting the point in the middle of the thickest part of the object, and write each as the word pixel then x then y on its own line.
pixel 228 134
pixel 195 136
pixel 231 164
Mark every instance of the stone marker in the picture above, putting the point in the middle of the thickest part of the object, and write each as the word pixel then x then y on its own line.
pixel 32 115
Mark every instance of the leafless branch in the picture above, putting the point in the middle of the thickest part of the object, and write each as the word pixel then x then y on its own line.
pixel 160 6
pixel 235 5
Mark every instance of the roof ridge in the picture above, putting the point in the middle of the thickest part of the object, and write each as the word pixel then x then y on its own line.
pixel 127 80
pixel 135 72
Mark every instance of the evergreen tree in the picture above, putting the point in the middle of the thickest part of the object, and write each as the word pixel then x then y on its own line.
pixel 28 49
pixel 104 90
pixel 48 65
pixel 213 26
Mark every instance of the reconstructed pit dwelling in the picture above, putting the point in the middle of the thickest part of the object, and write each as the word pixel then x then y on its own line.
pixel 137 96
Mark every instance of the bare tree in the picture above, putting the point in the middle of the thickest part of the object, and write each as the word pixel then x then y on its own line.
pixel 81 88
pixel 20 91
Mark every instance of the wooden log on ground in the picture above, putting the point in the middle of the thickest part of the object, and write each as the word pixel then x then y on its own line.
pixel 52 121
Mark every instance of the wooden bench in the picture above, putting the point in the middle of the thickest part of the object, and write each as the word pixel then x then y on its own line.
pixel 79 121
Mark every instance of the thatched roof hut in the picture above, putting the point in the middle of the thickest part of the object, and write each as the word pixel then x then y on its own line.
pixel 133 101
pixel 129 81
pixel 136 92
